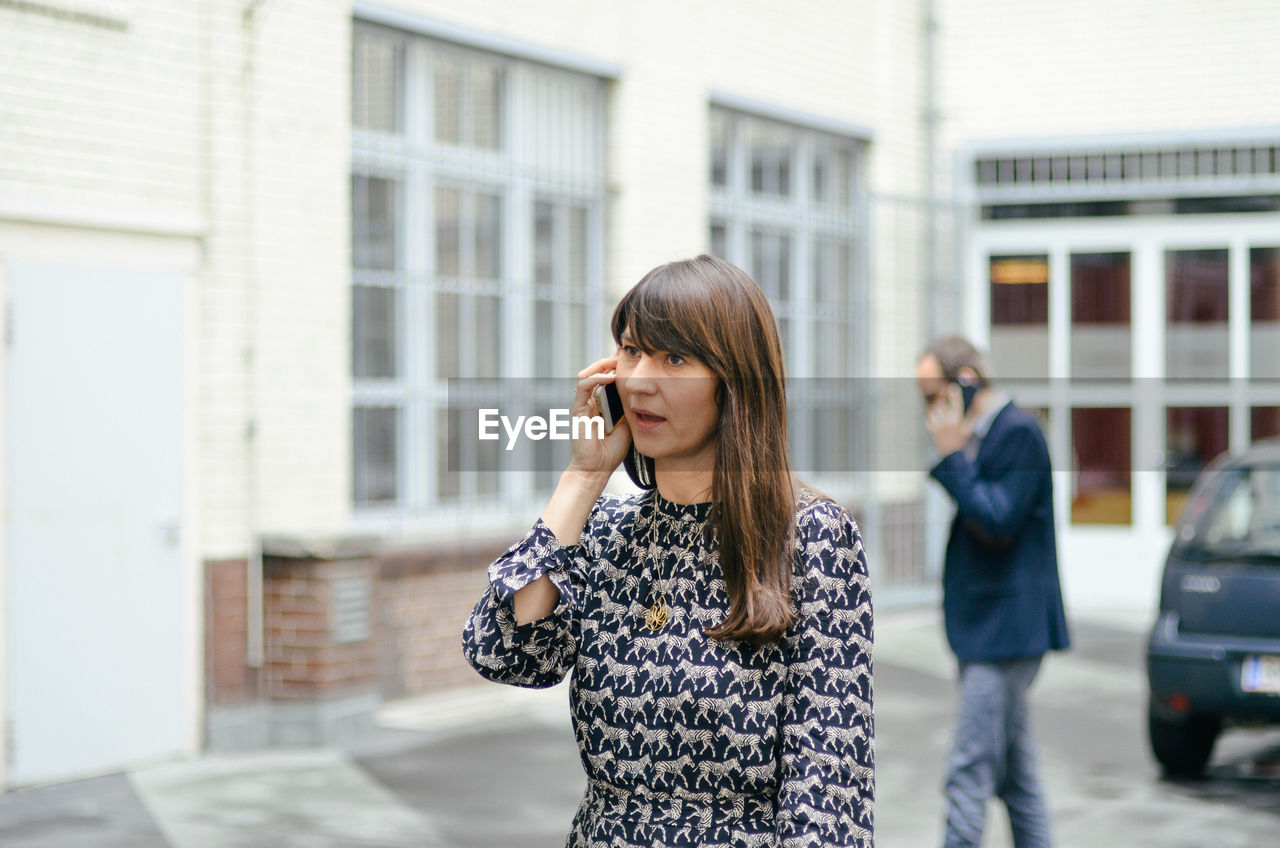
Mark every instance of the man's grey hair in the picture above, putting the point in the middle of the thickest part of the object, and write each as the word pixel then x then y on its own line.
pixel 956 352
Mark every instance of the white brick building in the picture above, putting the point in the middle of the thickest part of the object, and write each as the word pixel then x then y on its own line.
pixel 1133 158
pixel 245 246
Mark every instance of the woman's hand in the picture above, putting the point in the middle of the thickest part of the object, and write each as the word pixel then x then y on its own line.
pixel 591 454
pixel 580 485
pixel 593 461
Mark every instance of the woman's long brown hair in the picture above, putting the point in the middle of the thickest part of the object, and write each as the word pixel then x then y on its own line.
pixel 713 311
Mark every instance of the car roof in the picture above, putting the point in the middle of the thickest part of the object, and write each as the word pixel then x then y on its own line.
pixel 1263 452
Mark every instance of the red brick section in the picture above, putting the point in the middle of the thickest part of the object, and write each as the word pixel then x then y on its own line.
pixel 301 659
pixel 423 599
pixel 227 679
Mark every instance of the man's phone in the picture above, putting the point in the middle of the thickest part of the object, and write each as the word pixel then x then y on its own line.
pixel 610 404
pixel 967 391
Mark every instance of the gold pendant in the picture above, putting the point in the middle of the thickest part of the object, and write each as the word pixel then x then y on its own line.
pixel 657 615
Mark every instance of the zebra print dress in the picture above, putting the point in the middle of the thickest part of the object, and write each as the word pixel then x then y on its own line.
pixel 689 741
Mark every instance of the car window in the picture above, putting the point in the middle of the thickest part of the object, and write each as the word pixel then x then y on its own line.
pixel 1236 509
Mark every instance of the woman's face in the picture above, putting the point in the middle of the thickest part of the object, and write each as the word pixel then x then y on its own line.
pixel 670 401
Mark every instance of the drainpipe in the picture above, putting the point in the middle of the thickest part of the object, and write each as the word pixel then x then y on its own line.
pixel 936 508
pixel 255 651
pixel 929 119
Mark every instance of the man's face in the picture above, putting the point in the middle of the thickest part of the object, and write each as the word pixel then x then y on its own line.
pixel 929 379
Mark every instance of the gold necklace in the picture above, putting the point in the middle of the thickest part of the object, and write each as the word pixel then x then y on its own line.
pixel 659 613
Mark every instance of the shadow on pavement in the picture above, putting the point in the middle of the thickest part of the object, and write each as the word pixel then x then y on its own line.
pixel 1247 775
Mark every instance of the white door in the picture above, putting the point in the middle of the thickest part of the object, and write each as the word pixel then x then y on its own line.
pixel 97 607
pixel 1136 339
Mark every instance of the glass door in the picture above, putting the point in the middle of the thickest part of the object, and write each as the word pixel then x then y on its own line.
pixel 1149 346
pixel 1099 369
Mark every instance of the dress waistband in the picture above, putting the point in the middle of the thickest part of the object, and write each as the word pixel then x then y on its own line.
pixel 693 809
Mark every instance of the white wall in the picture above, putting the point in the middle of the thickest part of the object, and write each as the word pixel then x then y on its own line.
pixel 827 59
pixel 101 119
pixel 1015 69
pixel 275 300
pixel 192 118
pixel 853 62
pixel 232 130
pixel 100 150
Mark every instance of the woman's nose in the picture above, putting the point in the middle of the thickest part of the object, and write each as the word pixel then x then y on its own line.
pixel 643 377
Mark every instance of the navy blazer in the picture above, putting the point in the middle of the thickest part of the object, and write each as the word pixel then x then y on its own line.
pixel 1001 595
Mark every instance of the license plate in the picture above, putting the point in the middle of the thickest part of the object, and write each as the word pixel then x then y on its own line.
pixel 1260 674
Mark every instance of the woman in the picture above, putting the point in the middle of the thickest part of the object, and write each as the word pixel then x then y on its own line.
pixel 718 625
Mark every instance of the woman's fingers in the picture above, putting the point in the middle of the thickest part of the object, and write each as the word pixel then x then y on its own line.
pixel 584 397
pixel 608 363
pixel 596 374
pixel 590 452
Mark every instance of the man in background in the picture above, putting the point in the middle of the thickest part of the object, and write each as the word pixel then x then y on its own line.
pixel 1002 600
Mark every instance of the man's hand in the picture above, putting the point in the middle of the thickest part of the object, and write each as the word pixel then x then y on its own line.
pixel 948 426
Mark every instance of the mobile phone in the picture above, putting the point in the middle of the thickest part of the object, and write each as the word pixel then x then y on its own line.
pixel 610 404
pixel 967 391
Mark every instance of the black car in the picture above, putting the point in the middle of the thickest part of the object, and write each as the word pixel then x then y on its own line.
pixel 1213 659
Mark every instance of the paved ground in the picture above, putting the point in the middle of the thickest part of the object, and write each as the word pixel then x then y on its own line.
pixel 495 766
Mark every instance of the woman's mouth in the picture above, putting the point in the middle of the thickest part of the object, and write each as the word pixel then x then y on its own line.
pixel 646 421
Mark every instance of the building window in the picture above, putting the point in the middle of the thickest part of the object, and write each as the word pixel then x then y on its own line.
pixel 1194 436
pixel 1196 342
pixel 1264 312
pixel 786 205
pixel 377 97
pixel 1019 315
pixel 1101 454
pixel 477 192
pixel 468 100
pixel 1101 329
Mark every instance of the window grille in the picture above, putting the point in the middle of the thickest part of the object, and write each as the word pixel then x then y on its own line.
pixel 477 192
pixel 1131 166
pixel 351 608
pixel 786 205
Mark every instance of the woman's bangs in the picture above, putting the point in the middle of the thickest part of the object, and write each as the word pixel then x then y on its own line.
pixel 653 317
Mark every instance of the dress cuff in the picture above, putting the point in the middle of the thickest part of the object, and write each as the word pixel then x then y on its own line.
pixel 538 553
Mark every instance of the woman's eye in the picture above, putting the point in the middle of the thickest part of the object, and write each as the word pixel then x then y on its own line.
pixel 631 351
pixel 675 359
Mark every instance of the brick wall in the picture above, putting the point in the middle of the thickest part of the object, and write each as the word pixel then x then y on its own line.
pixel 419 600
pixel 424 597
pixel 304 655
pixel 227 679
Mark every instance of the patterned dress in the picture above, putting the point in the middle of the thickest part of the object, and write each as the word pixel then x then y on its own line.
pixel 686 740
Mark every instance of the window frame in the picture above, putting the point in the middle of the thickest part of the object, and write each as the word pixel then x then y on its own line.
pixel 810 226
pixel 514 172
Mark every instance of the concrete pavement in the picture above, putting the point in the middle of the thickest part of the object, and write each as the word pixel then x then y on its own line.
pixel 497 766
pixel 1089 712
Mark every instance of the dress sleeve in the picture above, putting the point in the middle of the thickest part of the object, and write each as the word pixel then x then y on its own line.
pixel 827 754
pixel 537 654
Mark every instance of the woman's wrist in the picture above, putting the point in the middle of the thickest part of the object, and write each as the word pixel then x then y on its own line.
pixel 571 503
pixel 590 482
